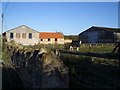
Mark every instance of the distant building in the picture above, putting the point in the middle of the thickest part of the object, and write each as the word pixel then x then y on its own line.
pixel 68 41
pixel 100 35
pixel 23 35
pixel 51 38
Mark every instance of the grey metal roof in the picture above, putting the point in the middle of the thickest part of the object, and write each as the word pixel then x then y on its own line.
pixel 109 29
pixel 117 30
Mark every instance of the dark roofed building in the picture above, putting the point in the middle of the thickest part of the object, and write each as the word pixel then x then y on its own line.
pixel 100 35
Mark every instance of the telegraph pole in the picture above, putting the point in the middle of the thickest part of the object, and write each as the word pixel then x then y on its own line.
pixel 1 28
pixel 1 38
pixel 2 33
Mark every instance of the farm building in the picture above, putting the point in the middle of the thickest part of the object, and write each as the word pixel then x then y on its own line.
pixel 100 35
pixel 68 41
pixel 27 36
pixel 23 35
pixel 51 38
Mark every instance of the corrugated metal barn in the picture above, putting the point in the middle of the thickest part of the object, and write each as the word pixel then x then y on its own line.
pixel 100 35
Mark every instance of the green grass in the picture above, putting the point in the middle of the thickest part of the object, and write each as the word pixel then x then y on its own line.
pixel 49 46
pixel 106 48
pixel 99 48
pixel 6 58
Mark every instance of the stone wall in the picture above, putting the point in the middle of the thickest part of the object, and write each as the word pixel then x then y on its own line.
pixel 38 68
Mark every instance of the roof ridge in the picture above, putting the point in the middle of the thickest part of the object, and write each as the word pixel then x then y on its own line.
pixel 50 32
pixel 105 27
pixel 21 26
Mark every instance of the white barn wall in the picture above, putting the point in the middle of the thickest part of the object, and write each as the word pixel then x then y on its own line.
pixel 24 41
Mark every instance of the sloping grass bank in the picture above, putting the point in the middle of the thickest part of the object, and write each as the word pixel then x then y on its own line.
pixel 84 73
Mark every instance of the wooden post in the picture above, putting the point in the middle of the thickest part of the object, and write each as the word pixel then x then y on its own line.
pixel 53 46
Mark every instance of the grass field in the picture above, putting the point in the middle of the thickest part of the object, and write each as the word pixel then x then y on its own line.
pixel 96 48
pixel 99 48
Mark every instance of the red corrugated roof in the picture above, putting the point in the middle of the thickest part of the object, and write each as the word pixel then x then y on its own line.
pixel 46 35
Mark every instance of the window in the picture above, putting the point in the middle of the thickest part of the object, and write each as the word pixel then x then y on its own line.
pixel 30 36
pixel 23 35
pixel 48 39
pixel 11 35
pixel 55 39
pixel 17 35
pixel 41 39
